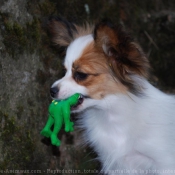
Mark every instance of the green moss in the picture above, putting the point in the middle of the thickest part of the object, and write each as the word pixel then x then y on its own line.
pixel 19 39
pixel 34 31
pixel 19 137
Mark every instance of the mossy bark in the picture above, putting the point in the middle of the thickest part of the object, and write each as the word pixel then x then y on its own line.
pixel 29 64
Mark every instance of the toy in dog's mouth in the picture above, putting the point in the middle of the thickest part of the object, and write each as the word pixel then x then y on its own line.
pixel 80 101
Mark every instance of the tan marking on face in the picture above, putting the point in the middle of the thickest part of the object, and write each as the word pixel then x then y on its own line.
pixel 99 81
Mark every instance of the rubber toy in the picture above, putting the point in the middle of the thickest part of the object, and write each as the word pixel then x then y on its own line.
pixel 59 114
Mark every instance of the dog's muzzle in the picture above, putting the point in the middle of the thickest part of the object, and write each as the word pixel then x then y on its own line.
pixel 53 92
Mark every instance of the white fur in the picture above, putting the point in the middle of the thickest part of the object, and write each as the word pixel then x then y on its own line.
pixel 75 49
pixel 67 86
pixel 131 134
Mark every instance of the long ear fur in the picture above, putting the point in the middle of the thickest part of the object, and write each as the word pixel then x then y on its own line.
pixel 125 57
pixel 62 31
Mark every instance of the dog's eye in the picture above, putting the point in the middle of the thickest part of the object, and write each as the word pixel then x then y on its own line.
pixel 80 76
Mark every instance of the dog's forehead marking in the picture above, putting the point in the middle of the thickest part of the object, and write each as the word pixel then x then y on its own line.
pixel 75 50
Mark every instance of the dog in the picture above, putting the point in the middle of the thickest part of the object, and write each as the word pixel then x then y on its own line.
pixel 129 123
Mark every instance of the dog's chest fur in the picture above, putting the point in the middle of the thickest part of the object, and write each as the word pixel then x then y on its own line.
pixel 131 132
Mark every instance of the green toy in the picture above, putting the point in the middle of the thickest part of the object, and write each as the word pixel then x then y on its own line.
pixel 59 114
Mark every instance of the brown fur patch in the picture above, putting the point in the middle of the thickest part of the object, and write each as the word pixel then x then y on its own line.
pixel 124 56
pixel 99 81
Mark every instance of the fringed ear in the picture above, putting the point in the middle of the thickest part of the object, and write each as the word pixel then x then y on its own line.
pixel 125 57
pixel 62 31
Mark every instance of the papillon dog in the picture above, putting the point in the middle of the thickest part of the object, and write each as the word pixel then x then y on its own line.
pixel 129 123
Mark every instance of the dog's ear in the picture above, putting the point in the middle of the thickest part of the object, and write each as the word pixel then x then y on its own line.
pixel 62 31
pixel 124 56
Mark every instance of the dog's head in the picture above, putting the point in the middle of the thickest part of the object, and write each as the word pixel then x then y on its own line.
pixel 100 60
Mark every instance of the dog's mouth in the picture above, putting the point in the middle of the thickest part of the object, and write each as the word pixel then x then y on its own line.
pixel 80 101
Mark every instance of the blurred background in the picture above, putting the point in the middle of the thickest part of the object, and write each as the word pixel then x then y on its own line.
pixel 29 64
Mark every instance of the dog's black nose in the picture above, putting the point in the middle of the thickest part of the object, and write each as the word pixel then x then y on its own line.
pixel 53 91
